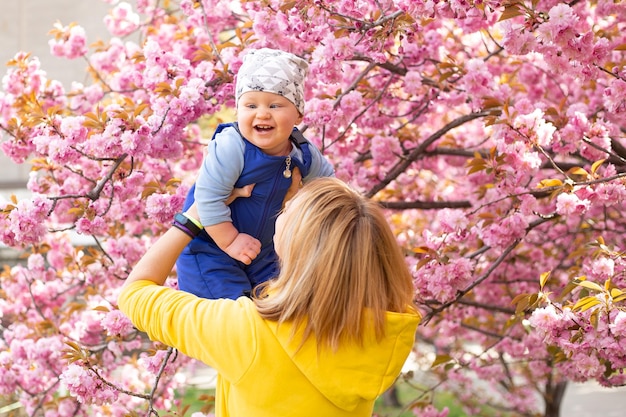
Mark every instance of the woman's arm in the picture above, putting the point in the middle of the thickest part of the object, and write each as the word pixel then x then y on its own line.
pixel 320 165
pixel 157 263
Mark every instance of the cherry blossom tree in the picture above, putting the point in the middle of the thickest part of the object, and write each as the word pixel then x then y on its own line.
pixel 493 132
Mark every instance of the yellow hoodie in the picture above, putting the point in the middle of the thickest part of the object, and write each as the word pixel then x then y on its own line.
pixel 261 373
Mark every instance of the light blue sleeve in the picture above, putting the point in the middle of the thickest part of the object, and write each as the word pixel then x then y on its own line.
pixel 220 170
pixel 320 166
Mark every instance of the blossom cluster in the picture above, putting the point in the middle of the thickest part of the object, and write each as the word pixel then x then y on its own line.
pixel 492 131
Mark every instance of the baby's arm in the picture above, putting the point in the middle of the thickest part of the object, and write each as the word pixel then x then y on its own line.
pixel 237 245
pixel 221 168
pixel 240 246
pixel 320 165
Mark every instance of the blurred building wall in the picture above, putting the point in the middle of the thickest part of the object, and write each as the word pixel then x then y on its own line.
pixel 24 26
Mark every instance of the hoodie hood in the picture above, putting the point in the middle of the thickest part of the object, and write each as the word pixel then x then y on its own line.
pixel 354 372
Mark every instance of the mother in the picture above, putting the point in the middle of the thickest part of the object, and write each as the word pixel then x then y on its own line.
pixel 324 338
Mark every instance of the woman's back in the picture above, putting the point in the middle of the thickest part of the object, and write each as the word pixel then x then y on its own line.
pixel 324 338
pixel 262 369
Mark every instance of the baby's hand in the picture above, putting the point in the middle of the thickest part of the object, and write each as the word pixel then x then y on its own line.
pixel 244 248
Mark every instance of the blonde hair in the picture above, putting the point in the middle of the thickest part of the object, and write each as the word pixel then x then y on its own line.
pixel 338 257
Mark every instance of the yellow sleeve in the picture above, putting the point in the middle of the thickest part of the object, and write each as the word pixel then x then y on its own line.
pixel 221 333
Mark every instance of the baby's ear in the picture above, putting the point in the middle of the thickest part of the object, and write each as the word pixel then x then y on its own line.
pixel 296 184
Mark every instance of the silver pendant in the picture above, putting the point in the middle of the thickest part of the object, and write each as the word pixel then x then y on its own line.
pixel 287 171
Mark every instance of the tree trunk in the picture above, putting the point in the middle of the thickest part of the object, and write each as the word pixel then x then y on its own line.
pixel 553 398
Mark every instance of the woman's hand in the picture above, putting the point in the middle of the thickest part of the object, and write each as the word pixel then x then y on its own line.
pixel 296 184
pixel 240 192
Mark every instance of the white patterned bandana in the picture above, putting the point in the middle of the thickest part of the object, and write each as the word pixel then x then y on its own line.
pixel 275 72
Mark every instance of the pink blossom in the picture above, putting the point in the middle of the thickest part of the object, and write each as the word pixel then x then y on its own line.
pixel 421 8
pixel 588 366
pixel 452 221
pixel 73 130
pixel 351 102
pixel 36 262
pixel 431 411
pixel 319 112
pixel 116 323
pixel 520 155
pixel 262 22
pixel 535 127
pixel 600 142
pixel 324 66
pixel 111 59
pixel 153 363
pixel 618 327
pixel 442 280
pixel 17 151
pixel 601 269
pixel 601 50
pixel 569 204
pixel 87 330
pixel 122 20
pixel 478 81
pixel 610 194
pixel 343 48
pixel 502 234
pixel 560 18
pixel 529 205
pixel 126 248
pixel 412 82
pixel 162 207
pixel 615 96
pixel 545 319
pixel 70 42
pixel 27 221
pixel 86 386
pixel 130 142
pixel 27 78
pixel 517 40
pixel 562 15
pixel 78 101
pixel 94 226
pixel 385 149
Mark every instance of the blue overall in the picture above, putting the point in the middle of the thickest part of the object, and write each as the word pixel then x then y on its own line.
pixel 207 271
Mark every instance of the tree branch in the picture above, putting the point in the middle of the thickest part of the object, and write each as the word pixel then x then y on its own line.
pixel 420 150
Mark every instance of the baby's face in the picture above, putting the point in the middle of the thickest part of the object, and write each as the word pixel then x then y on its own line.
pixel 267 120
